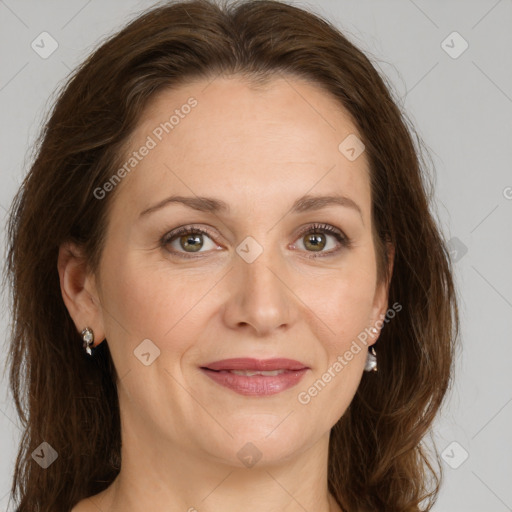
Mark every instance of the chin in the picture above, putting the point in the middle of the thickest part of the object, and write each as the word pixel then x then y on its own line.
pixel 262 440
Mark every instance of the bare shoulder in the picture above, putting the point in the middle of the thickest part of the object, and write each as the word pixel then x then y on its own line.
pixel 83 506
pixel 93 503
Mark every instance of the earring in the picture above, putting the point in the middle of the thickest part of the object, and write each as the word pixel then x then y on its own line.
pixel 371 361
pixel 88 339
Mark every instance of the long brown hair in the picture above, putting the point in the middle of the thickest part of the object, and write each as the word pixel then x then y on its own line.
pixel 377 460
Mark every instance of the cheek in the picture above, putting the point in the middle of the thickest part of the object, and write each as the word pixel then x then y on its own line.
pixel 148 301
pixel 346 309
pixel 142 296
pixel 343 300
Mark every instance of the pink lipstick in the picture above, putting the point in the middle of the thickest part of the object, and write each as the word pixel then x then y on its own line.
pixel 253 377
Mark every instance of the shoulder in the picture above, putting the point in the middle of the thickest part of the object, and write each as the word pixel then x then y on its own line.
pixel 82 506
pixel 91 504
pixel 98 502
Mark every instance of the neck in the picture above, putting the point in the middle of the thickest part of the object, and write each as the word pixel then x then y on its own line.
pixel 163 476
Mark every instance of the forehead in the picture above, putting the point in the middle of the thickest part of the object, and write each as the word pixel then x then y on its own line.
pixel 225 134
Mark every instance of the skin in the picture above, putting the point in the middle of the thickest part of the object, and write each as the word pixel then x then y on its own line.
pixel 258 150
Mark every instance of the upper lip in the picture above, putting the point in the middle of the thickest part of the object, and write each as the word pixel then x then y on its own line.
pixel 247 363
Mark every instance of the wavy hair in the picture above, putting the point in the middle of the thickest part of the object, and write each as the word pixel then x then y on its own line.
pixel 377 457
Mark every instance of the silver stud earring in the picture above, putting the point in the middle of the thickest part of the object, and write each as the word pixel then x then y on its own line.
pixel 88 339
pixel 371 361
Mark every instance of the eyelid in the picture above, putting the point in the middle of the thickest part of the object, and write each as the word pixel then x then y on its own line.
pixel 184 230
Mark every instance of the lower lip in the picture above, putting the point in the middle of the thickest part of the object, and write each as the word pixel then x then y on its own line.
pixel 257 385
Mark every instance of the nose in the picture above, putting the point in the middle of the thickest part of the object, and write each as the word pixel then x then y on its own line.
pixel 260 299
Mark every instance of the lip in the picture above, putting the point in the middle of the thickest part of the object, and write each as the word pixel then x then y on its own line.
pixel 256 385
pixel 246 363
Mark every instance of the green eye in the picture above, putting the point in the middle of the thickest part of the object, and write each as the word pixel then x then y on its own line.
pixel 314 239
pixel 187 240
pixel 193 242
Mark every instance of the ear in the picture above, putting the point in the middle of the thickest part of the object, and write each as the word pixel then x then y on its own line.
pixel 79 291
pixel 381 298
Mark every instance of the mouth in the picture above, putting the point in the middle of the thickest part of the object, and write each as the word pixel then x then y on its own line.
pixel 256 365
pixel 250 373
pixel 253 377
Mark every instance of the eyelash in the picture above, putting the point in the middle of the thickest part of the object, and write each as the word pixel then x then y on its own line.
pixel 343 240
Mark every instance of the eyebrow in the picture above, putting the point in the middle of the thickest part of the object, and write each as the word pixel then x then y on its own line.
pixel 212 205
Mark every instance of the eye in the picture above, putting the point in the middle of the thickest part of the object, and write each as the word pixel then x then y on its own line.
pixel 187 240
pixel 315 238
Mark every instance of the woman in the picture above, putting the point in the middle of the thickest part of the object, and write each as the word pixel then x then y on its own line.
pixel 228 288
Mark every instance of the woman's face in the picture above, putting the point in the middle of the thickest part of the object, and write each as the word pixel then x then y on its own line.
pixel 260 284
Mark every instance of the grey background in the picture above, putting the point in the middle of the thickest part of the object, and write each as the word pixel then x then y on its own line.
pixel 461 108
